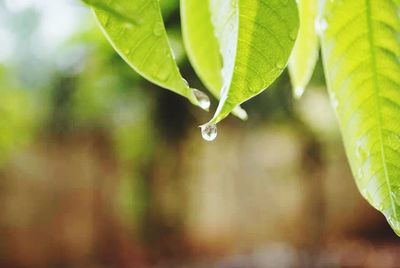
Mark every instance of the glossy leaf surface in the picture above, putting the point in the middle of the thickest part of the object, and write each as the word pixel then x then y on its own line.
pixel 256 38
pixel 202 46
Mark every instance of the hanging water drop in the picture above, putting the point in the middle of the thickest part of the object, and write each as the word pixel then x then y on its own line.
pixel 202 98
pixel 209 132
pixel 298 92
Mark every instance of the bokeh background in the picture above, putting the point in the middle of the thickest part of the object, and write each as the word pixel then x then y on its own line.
pixel 99 168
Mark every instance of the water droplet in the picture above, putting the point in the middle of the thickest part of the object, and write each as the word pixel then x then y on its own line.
pixel 298 92
pixel 320 25
pixel 202 98
pixel 209 132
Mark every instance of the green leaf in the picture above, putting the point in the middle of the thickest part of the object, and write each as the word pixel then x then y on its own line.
pixel 361 50
pixel 202 46
pixel 305 53
pixel 256 38
pixel 136 31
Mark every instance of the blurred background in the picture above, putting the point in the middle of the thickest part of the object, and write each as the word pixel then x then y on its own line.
pixel 99 168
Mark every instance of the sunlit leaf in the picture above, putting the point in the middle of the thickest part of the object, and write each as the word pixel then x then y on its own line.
pixel 136 31
pixel 305 53
pixel 202 46
pixel 256 38
pixel 361 49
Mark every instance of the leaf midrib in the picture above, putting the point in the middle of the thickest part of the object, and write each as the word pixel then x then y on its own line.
pixel 371 39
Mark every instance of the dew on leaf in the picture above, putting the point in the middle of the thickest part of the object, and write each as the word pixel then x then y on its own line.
pixel 202 98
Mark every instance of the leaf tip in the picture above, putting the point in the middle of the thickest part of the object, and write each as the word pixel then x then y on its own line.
pixel 298 92
pixel 203 101
pixel 240 113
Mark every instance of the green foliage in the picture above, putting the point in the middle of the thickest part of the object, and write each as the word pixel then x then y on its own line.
pixel 202 46
pixel 201 43
pixel 256 39
pixel 239 47
pixel 361 49
pixel 305 53
pixel 141 40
